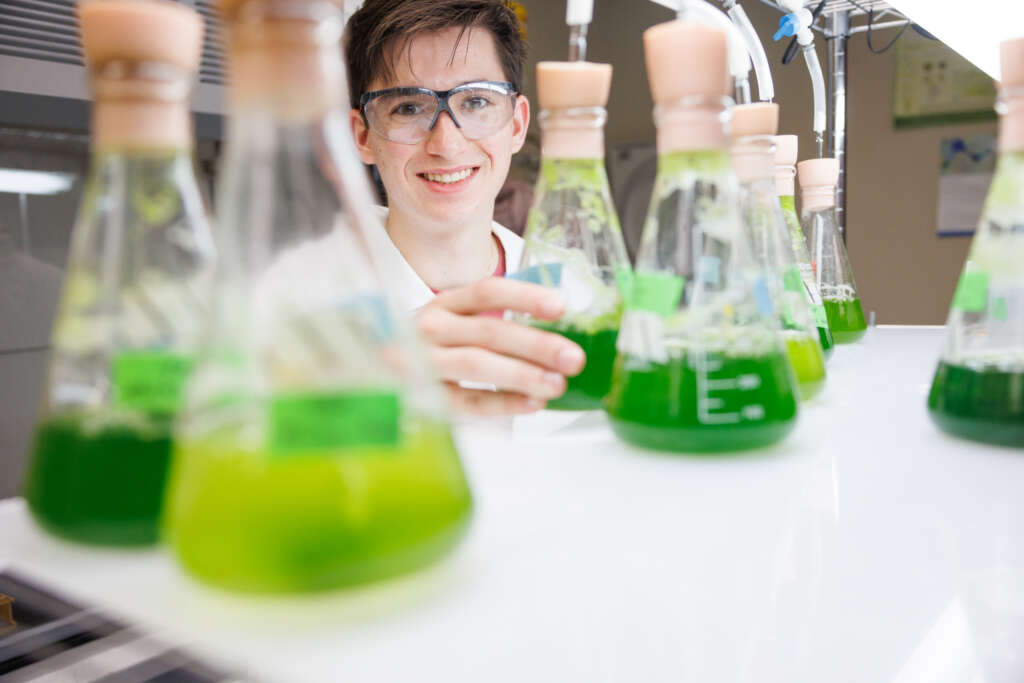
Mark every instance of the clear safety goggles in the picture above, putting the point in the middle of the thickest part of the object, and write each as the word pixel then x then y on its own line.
pixel 407 114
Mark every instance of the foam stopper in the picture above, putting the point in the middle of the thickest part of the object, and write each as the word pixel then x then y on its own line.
pixel 140 31
pixel 785 150
pixel 562 85
pixel 686 60
pixel 228 8
pixel 1011 62
pixel 761 118
pixel 818 172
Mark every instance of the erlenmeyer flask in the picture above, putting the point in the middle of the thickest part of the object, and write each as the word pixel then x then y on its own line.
pixel 137 282
pixel 573 240
pixel 701 366
pixel 785 185
pixel 833 274
pixel 313 450
pixel 978 390
pixel 753 156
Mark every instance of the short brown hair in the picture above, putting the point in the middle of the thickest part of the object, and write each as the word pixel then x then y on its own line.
pixel 378 24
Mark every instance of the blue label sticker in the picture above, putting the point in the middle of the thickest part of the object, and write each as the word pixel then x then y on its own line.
pixel 547 274
pixel 710 270
pixel 763 297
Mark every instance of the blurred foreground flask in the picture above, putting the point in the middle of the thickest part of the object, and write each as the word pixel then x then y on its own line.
pixel 136 287
pixel 753 156
pixel 978 390
pixel 313 451
pixel 701 365
pixel 573 241
pixel 785 185
pixel 831 265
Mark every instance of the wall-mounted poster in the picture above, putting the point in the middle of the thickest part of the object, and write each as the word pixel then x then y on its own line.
pixel 933 85
pixel 965 173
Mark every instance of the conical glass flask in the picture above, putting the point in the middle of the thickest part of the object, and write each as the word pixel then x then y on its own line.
pixel 573 240
pixel 833 274
pixel 701 365
pixel 978 390
pixel 785 185
pixel 753 158
pixel 313 450
pixel 137 283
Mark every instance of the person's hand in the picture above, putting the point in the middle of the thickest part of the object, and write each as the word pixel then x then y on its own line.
pixel 528 366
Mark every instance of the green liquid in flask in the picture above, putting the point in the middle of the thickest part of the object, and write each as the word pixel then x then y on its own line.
pixel 825 337
pixel 98 486
pixel 308 521
pixel 586 390
pixel 846 320
pixel 981 405
pixel 747 402
pixel 808 363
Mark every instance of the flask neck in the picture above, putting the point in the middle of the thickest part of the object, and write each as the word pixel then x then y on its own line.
pixel 140 105
pixel 692 123
pixel 753 158
pixel 818 197
pixel 572 133
pixel 785 180
pixel 284 58
pixel 1011 119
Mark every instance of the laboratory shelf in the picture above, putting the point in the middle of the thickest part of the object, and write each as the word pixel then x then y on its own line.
pixel 868 546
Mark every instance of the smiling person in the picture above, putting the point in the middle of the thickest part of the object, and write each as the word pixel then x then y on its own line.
pixel 440 113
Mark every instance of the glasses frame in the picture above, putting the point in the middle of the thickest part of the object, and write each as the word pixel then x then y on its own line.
pixel 440 96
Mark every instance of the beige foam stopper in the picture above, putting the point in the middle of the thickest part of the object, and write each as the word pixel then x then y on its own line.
pixel 686 60
pixel 1011 62
pixel 141 31
pixel 562 85
pixel 228 8
pixel 785 150
pixel 818 172
pixel 761 118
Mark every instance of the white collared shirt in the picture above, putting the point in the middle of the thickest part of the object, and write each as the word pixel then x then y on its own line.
pixel 406 288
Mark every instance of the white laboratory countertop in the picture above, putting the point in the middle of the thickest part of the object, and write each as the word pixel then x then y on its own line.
pixel 867 546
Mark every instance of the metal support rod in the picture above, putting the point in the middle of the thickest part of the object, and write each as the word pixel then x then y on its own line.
pixel 837 31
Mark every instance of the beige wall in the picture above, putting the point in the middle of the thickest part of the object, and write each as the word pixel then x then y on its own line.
pixel 904 272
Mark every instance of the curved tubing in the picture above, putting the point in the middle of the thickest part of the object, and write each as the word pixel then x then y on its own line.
pixel 818 85
pixel 765 85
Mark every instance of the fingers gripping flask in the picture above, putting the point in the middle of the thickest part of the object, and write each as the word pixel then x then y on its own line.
pixel 753 155
pixel 833 274
pixel 573 240
pixel 978 390
pixel 785 185
pixel 313 451
pixel 136 287
pixel 701 366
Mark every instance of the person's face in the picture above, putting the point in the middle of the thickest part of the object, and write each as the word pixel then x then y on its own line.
pixel 476 169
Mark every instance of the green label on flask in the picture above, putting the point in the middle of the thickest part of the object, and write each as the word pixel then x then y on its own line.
pixel 151 381
pixel 655 292
pixel 624 279
pixel 999 309
pixel 971 294
pixel 791 281
pixel 317 422
pixel 820 317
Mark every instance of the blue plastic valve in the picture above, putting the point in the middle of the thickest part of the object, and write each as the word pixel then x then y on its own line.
pixel 788 26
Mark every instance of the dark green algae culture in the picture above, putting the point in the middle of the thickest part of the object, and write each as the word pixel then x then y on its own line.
pixel 586 390
pixel 846 320
pixel 985 405
pixel 102 485
pixel 655 405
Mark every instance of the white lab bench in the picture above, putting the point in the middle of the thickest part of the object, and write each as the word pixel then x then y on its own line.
pixel 868 546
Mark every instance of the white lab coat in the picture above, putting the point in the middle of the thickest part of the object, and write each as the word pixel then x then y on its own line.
pixel 408 290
